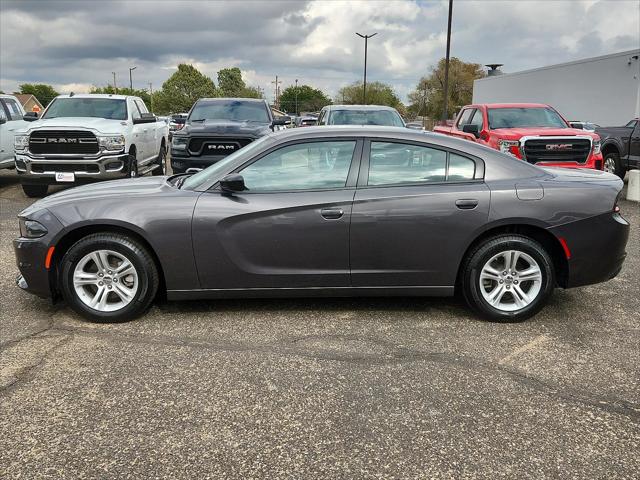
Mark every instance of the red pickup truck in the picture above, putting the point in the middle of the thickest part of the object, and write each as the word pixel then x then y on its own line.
pixel 532 132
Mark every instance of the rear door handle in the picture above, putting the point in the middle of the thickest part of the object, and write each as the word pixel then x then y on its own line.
pixel 332 213
pixel 467 203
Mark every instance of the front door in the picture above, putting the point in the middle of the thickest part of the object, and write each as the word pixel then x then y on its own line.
pixel 415 210
pixel 289 229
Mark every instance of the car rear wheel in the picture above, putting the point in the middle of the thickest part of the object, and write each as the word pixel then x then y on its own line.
pixel 35 191
pixel 508 278
pixel 612 164
pixel 108 278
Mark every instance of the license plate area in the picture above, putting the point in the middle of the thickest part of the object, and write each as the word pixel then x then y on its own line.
pixel 65 177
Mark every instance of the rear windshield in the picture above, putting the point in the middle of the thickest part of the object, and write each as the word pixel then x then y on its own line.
pixel 109 108
pixel 388 118
pixel 234 110
pixel 524 117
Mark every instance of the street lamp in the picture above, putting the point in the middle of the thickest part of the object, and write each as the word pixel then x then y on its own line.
pixel 131 78
pixel 297 114
pixel 364 86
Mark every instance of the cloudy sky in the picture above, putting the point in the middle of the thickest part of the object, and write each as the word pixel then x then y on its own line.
pixel 78 43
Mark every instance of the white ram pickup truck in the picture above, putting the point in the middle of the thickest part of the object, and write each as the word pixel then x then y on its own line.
pixel 89 137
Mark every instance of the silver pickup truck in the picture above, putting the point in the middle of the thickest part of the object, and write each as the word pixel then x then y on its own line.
pixel 88 137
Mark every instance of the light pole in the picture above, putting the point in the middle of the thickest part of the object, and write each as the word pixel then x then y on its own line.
pixel 445 113
pixel 364 85
pixel 131 77
pixel 297 114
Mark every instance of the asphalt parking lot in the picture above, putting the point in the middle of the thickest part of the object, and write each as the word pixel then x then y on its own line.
pixel 337 388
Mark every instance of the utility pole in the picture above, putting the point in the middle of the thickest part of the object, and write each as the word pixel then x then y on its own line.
pixel 277 98
pixel 445 114
pixel 297 113
pixel 115 88
pixel 131 78
pixel 424 107
pixel 151 96
pixel 364 86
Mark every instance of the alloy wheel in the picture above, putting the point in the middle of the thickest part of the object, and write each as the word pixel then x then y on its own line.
pixel 510 280
pixel 105 280
pixel 610 165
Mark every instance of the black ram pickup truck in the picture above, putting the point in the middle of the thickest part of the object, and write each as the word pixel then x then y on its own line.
pixel 621 147
pixel 217 127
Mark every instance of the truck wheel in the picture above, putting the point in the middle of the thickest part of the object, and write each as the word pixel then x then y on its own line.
pixel 612 164
pixel 133 165
pixel 508 278
pixel 162 161
pixel 35 191
pixel 108 278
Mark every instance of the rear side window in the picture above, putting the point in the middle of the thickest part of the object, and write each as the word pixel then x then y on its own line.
pixel 14 109
pixel 393 163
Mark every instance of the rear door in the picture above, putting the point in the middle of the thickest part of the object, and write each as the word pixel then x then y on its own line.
pixel 290 229
pixel 416 209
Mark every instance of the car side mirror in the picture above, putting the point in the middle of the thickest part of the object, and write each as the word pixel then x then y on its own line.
pixel 3 120
pixel 145 118
pixel 472 129
pixel 30 116
pixel 232 183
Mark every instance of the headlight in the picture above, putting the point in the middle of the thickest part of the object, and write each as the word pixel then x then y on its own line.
pixel 32 229
pixel 20 142
pixel 111 142
pixel 596 147
pixel 179 143
pixel 510 147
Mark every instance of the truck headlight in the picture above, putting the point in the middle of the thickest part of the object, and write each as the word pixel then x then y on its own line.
pixel 510 147
pixel 32 229
pixel 596 147
pixel 179 143
pixel 111 142
pixel 20 142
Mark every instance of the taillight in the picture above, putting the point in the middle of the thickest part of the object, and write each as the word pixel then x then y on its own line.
pixel 616 207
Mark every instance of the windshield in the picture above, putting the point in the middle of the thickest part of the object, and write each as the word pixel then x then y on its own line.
pixel 212 172
pixel 524 117
pixel 234 110
pixel 388 118
pixel 109 108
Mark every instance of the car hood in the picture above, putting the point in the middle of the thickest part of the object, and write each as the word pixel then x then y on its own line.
pixel 110 190
pixel 517 133
pixel 101 125
pixel 225 127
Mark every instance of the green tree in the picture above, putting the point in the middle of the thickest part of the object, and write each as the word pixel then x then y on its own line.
pixel 309 99
pixel 43 92
pixel 251 92
pixel 143 94
pixel 182 89
pixel 230 82
pixel 378 93
pixel 428 97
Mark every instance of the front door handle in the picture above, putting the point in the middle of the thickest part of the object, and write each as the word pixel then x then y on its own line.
pixel 332 213
pixel 467 203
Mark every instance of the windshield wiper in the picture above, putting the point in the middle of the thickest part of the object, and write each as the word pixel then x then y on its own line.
pixel 198 120
pixel 181 180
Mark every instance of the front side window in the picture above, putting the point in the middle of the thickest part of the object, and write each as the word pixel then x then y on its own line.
pixel 141 106
pixel 305 166
pixel 393 163
pixel 477 119
pixel 465 117
pixel 135 111
pixel 389 118
pixel 108 108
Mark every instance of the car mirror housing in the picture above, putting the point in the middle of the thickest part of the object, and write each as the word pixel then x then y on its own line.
pixel 30 116
pixel 472 129
pixel 145 118
pixel 232 183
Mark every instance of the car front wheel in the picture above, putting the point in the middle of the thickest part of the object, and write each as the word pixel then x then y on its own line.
pixel 612 164
pixel 108 277
pixel 508 278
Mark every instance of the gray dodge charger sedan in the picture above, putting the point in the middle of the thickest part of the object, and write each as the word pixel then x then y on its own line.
pixel 329 211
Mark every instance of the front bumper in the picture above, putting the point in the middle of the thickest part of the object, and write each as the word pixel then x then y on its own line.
pixel 8 163
pixel 42 170
pixel 594 162
pixel 30 258
pixel 597 248
pixel 180 164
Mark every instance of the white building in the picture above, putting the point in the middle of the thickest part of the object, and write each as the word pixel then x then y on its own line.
pixel 604 90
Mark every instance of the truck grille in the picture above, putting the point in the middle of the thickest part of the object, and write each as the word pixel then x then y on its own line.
pixel 63 142
pixel 557 150
pixel 216 146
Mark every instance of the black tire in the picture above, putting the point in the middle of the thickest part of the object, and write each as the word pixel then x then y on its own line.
pixel 148 278
pixel 481 254
pixel 133 165
pixel 162 161
pixel 35 191
pixel 613 164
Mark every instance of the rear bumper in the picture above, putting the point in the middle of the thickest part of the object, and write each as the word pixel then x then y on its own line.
pixel 33 170
pixel 597 248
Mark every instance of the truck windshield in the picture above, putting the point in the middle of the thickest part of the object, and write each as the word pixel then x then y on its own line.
pixel 109 108
pixel 524 117
pixel 387 118
pixel 234 110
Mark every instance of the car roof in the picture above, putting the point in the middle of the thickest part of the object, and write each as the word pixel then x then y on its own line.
pixel 360 107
